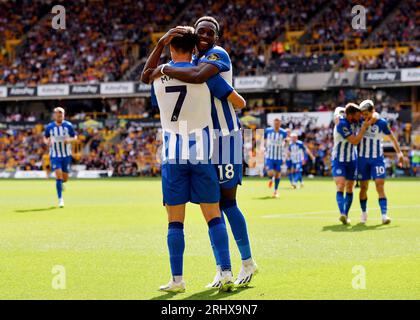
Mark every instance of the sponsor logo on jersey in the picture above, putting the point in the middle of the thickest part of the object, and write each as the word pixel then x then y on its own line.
pixel 213 57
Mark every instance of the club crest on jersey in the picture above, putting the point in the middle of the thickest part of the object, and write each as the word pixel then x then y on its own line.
pixel 213 57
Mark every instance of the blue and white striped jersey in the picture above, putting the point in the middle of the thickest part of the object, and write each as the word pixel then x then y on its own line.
pixel 371 147
pixel 343 150
pixel 57 134
pixel 296 152
pixel 223 113
pixel 185 114
pixel 285 153
pixel 274 141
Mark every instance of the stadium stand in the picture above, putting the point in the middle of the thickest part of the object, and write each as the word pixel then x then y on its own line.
pixel 333 28
pixel 102 39
pixel 127 151
pixel 105 39
pixel 109 40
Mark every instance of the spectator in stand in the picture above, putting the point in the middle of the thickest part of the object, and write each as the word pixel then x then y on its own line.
pixel 100 42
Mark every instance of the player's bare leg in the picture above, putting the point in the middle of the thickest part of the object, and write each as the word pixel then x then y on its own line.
pixel 271 176
pixel 380 188
pixel 364 186
pixel 294 186
pixel 65 179
pixel 176 244
pixel 212 214
pixel 340 183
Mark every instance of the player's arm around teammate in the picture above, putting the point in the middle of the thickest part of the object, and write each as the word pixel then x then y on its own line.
pixel 341 181
pixel 212 61
pixel 344 158
pixel 154 57
pixel 187 173
pixel 195 74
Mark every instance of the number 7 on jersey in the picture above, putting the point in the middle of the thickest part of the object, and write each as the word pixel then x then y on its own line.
pixel 178 105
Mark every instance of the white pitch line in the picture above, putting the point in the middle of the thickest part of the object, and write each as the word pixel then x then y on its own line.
pixel 286 215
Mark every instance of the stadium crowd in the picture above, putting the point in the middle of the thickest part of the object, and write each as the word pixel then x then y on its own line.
pixel 127 150
pixel 404 26
pixel 100 42
pixel 248 28
pixel 103 39
pixel 388 59
pixel 334 25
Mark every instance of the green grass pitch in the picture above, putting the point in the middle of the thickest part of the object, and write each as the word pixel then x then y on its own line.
pixel 111 240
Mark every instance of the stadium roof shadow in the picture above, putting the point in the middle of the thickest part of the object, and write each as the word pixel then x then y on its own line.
pixel 35 210
pixel 356 228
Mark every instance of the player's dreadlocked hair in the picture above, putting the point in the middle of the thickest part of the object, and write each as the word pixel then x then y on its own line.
pixel 208 19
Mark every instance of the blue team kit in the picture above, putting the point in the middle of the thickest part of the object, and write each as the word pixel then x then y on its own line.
pixel 344 158
pixel 274 149
pixel 364 162
pixel 229 144
pixel 371 161
pixel 60 152
pixel 195 181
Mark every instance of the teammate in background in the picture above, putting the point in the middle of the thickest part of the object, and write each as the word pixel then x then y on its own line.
pixel 59 135
pixel 288 161
pixel 210 61
pixel 187 172
pixel 338 113
pixel 274 143
pixel 344 157
pixel 296 155
pixel 371 161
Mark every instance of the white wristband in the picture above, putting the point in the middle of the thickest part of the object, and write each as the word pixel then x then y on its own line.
pixel 161 69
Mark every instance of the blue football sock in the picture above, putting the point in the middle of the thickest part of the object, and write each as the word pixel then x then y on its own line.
pixel 294 178
pixel 363 204
pixel 291 178
pixel 383 203
pixel 348 201
pixel 216 255
pixel 238 225
pixel 219 237
pixel 300 177
pixel 276 184
pixel 340 201
pixel 176 246
pixel 59 187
